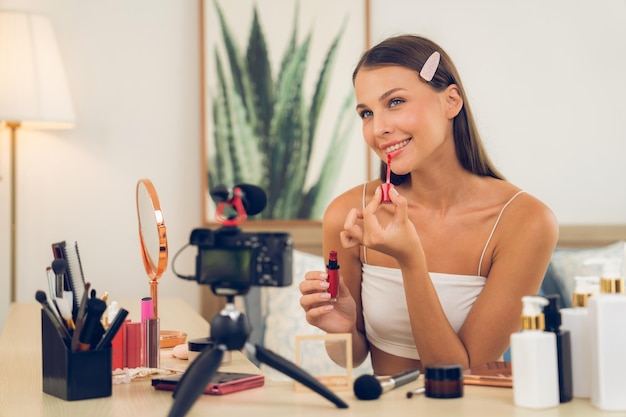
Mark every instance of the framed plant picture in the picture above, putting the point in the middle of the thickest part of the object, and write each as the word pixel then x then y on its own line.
pixel 278 103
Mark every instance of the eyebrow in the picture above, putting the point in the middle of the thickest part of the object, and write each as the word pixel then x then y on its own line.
pixel 381 98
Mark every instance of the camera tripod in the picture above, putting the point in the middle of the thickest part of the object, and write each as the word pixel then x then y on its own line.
pixel 229 331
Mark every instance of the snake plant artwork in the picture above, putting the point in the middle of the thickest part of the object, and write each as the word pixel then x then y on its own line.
pixel 265 127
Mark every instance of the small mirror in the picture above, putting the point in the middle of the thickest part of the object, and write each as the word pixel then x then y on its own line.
pixel 153 242
pixel 152 236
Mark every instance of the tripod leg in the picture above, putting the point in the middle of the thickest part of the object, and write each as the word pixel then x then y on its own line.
pixel 294 371
pixel 194 380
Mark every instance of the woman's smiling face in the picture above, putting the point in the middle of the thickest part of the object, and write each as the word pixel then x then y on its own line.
pixel 402 116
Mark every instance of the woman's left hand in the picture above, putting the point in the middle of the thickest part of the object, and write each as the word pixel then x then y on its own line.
pixel 398 238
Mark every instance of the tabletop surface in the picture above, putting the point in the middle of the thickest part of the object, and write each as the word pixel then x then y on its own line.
pixel 21 384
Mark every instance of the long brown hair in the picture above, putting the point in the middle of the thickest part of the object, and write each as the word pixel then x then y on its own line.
pixel 411 51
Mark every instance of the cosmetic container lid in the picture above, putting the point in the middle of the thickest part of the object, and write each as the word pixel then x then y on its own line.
pixel 532 315
pixel 444 372
pixel 586 286
pixel 611 281
pixel 551 313
pixel 611 285
pixel 198 345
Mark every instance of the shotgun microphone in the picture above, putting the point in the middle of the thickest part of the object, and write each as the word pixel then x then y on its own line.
pixel 370 387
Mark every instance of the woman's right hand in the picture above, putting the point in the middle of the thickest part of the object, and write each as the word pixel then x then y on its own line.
pixel 332 317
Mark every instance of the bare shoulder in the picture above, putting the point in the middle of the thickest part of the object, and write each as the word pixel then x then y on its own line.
pixel 529 210
pixel 530 219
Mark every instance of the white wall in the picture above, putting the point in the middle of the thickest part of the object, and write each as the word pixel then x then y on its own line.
pixel 133 71
pixel 545 82
pixel 551 119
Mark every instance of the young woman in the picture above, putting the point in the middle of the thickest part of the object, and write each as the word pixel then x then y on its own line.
pixel 437 274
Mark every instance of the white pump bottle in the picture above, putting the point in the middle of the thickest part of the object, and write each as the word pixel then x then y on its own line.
pixel 534 359
pixel 607 318
pixel 576 320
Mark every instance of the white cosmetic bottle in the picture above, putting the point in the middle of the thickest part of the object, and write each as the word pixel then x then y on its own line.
pixel 534 359
pixel 576 320
pixel 607 319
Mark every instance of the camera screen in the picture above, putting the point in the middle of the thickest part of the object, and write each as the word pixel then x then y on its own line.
pixel 228 265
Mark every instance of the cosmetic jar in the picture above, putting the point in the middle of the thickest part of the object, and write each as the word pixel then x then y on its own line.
pixel 444 381
pixel 196 346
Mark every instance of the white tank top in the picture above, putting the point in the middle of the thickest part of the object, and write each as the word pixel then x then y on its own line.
pixel 385 312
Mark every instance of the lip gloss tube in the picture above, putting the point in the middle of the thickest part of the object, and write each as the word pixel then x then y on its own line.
pixel 333 275
pixel 118 347
pixel 147 308
pixel 386 186
pixel 147 313
pixel 151 342
pixel 133 345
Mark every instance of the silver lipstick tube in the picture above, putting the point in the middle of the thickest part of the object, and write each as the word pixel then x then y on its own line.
pixel 152 343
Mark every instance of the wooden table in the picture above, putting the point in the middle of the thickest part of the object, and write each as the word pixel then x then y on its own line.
pixel 21 385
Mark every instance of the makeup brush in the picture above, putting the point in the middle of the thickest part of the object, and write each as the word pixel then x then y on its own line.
pixel 51 282
pixel 65 311
pixel 40 296
pixel 110 333
pixel 80 318
pixel 370 387
pixel 59 266
pixel 92 329
pixel 417 391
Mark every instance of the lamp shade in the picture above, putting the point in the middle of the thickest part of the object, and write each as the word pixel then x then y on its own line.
pixel 33 86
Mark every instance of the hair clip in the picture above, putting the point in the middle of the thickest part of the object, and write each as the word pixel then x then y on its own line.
pixel 430 67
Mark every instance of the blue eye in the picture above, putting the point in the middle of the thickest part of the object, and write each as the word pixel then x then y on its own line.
pixel 394 102
pixel 365 113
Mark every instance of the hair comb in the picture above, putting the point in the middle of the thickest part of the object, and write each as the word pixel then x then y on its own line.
pixel 430 66
pixel 74 278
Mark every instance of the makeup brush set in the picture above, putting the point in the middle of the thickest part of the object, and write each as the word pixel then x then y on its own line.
pixel 76 347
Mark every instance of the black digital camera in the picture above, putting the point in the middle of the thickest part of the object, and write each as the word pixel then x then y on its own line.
pixel 231 261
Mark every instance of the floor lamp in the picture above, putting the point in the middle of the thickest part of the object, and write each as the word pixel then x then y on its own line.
pixel 34 94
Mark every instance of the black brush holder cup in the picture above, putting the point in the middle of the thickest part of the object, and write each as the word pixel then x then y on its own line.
pixel 73 375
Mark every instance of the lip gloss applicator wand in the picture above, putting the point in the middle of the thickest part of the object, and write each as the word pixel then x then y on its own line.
pixel 386 186
pixel 333 275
